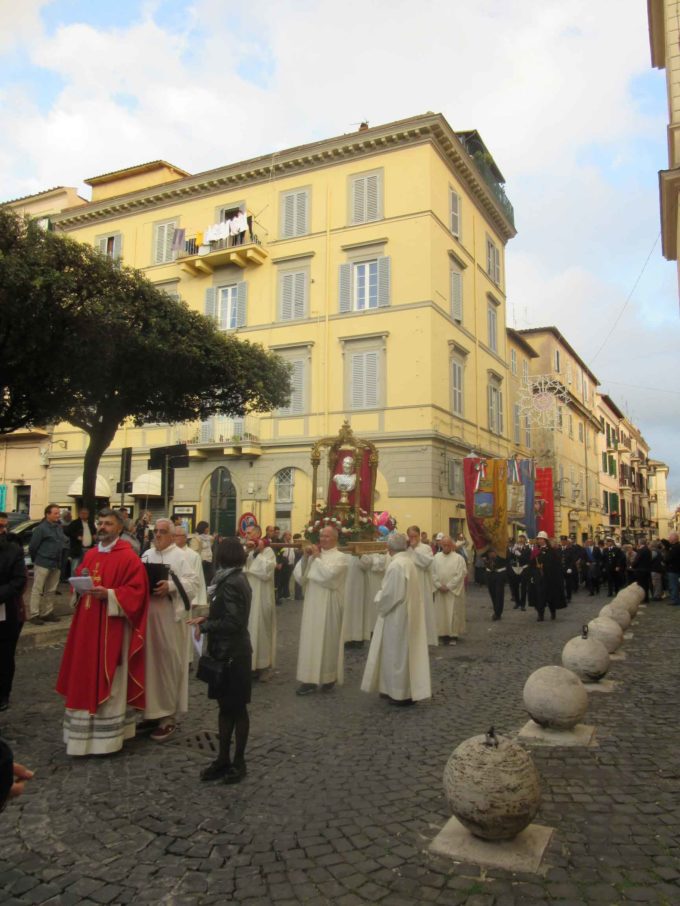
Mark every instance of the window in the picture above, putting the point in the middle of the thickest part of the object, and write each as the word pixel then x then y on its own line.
pixel 605 465
pixel 612 466
pixel 456 487
pixel 492 327
pixel 516 423
pixel 571 425
pixel 294 208
pixel 457 384
pixel 364 377
pixel 364 284
pixel 513 361
pixel 582 485
pixel 569 373
pixel 293 294
pixel 227 305
pixel 586 390
pixel 111 246
pixel 560 418
pixel 457 295
pixel 605 501
pixel 163 236
pixel 493 262
pixel 580 431
pixel 495 407
pixel 297 363
pixel 366 197
pixel 454 213
pixel 561 478
pixel 525 371
pixel 284 482
pixel 557 360
pixel 527 431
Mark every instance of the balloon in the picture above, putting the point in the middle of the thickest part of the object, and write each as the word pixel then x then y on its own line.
pixel 383 530
pixel 383 518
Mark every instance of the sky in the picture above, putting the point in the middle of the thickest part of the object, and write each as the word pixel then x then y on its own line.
pixel 562 92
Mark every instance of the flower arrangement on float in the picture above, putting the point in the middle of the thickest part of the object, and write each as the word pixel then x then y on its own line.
pixel 347 526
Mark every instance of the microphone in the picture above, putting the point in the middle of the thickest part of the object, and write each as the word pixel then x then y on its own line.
pixel 85 571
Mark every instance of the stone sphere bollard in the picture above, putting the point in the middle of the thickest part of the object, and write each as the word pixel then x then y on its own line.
pixel 630 603
pixel 555 698
pixel 586 657
pixel 492 786
pixel 617 612
pixel 607 631
pixel 634 591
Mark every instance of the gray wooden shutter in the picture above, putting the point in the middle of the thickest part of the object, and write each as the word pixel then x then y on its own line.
pixel 299 294
pixel 241 303
pixel 371 378
pixel 489 405
pixel 345 286
pixel 117 247
pixel 288 224
pixel 358 381
pixel 500 412
pixel 211 303
pixel 359 199
pixel 372 196
pixel 384 280
pixel 286 304
pixel 454 212
pixel 457 296
pixel 159 244
pixel 101 244
pixel 301 227
pixel 297 401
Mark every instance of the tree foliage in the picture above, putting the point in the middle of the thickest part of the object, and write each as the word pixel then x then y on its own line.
pixel 92 343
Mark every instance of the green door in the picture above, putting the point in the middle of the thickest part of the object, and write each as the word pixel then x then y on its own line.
pixel 222 503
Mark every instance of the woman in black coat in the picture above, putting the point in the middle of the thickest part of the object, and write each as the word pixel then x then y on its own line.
pixel 229 644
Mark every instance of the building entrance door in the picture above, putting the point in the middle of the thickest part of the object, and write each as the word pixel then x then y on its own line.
pixel 222 503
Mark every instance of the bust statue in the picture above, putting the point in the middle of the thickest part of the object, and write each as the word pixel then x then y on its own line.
pixel 346 480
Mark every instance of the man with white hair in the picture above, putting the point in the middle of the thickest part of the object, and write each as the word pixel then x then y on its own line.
pixel 182 541
pixel 171 580
pixel 422 556
pixel 321 572
pixel 398 665
pixel 449 570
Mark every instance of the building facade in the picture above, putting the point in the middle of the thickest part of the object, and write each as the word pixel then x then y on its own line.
pixel 374 264
pixel 660 515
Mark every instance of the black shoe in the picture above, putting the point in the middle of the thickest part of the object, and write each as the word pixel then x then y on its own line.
pixel 540 618
pixel 37 621
pixel 4 704
pixel 216 770
pixel 516 607
pixel 328 687
pixel 552 614
pixel 522 608
pixel 50 618
pixel 402 702
pixel 496 616
pixel 305 689
pixel 235 774
pixel 147 726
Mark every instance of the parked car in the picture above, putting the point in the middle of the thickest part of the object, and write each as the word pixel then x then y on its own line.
pixel 23 531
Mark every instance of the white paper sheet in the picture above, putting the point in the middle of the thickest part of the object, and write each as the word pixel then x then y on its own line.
pixel 198 643
pixel 81 584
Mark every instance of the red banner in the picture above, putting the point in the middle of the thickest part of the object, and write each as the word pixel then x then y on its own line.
pixel 544 502
pixel 364 474
pixel 486 505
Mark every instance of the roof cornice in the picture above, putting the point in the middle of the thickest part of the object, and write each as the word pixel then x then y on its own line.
pixel 431 127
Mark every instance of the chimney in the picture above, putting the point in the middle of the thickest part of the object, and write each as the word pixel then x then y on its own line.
pixel 363 127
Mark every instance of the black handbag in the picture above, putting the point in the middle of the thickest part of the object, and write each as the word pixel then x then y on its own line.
pixel 212 671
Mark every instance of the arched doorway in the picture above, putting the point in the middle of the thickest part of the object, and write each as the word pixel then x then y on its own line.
pixel 222 503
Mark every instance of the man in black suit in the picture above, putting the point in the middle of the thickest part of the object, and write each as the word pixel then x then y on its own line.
pixel 569 565
pixel 614 566
pixel 81 535
pixel 592 562
pixel 641 567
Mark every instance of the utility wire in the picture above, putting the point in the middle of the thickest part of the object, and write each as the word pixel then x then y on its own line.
pixel 638 387
pixel 625 304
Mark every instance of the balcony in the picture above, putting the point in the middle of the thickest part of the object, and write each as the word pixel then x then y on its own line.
pixel 199 260
pixel 235 436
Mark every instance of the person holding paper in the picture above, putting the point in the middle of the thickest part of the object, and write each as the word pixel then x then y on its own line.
pixel 168 638
pixel 102 669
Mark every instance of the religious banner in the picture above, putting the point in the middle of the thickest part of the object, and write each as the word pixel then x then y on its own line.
pixel 544 504
pixel 486 504
pixel 521 485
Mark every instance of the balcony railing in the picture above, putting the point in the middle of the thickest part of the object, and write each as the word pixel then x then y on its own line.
pixel 203 258
pixel 496 188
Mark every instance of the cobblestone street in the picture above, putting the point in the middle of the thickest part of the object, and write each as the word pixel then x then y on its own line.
pixel 344 794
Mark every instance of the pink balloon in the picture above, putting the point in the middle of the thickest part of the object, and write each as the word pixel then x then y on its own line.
pixel 383 518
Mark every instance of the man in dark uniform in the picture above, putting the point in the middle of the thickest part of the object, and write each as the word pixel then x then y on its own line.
pixel 546 583
pixel 641 567
pixel 568 564
pixel 496 574
pixel 519 555
pixel 614 566
pixel 593 567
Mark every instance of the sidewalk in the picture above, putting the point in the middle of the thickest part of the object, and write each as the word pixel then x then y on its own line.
pixel 51 633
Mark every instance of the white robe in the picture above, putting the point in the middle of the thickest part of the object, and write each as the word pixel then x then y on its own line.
pixel 422 557
pixel 374 566
pixel 168 639
pixel 449 570
pixel 355 601
pixel 398 663
pixel 262 621
pixel 321 652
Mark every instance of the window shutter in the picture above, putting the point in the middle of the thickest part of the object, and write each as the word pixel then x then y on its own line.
pixel 297 386
pixel 384 269
pixel 301 227
pixel 359 199
pixel 457 296
pixel 288 216
pixel 299 294
pixel 211 303
pixel 358 381
pixel 489 405
pixel 241 303
pixel 372 196
pixel 159 244
pixel 345 286
pixel 101 244
pixel 287 284
pixel 371 379
pixel 500 412
pixel 516 423
pixel 117 247
pixel 206 432
pixel 454 212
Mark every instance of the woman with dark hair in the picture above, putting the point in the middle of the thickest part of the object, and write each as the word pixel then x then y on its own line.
pixel 229 643
pixel 202 542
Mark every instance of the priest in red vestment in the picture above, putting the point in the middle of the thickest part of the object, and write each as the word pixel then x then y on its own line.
pixel 102 670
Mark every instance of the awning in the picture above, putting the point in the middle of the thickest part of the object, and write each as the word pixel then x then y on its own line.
pixel 102 488
pixel 148 484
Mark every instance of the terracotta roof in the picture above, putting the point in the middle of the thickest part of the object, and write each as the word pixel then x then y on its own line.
pixel 138 168
pixel 34 195
pixel 519 339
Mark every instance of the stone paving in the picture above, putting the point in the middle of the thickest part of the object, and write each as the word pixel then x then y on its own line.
pixel 344 793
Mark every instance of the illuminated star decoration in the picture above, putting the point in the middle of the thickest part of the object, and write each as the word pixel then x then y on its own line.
pixel 539 399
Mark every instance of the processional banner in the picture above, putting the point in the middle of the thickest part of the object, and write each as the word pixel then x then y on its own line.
pixel 521 488
pixel 486 504
pixel 544 504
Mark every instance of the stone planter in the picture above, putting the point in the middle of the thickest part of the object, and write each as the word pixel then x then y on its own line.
pixel 587 657
pixel 492 787
pixel 607 631
pixel 555 698
pixel 619 613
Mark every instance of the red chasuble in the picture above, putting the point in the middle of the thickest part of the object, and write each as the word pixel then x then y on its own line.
pixel 95 640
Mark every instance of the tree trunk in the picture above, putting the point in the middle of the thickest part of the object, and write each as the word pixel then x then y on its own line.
pixel 100 439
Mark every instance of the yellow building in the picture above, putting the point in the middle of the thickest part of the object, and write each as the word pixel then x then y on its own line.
pixel 664 38
pixel 569 447
pixel 24 453
pixel 372 262
pixel 610 417
pixel 660 515
pixel 633 475
pixel 520 355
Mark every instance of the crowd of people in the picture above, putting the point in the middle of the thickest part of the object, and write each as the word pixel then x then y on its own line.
pixel 141 591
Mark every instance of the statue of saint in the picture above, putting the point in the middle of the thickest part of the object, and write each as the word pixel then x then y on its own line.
pixel 346 480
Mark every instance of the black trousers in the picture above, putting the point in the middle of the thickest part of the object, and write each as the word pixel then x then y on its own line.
pixel 614 582
pixel 10 630
pixel 496 585
pixel 282 581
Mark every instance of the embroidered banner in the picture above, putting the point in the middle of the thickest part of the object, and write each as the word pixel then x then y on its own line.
pixel 544 504
pixel 486 505
pixel 521 489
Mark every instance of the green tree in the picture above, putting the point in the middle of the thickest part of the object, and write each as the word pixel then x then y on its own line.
pixel 120 349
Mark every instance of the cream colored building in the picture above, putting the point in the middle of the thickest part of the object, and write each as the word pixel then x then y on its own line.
pixel 611 418
pixel 570 448
pixel 373 262
pixel 659 513
pixel 24 454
